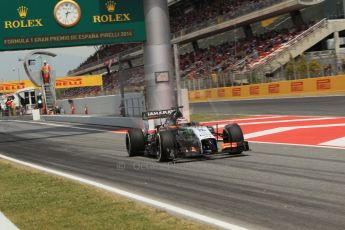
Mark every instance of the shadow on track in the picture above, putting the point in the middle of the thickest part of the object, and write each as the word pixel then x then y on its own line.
pixel 219 156
pixel 208 158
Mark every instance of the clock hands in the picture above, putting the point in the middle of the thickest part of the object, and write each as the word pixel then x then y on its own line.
pixel 67 13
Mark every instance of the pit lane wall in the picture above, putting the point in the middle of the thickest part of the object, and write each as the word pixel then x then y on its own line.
pixel 122 122
pixel 102 105
pixel 303 87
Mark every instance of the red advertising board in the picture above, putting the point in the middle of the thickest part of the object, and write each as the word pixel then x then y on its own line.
pixel 236 92
pixel 274 88
pixel 221 92
pixel 254 90
pixel 323 84
pixel 297 86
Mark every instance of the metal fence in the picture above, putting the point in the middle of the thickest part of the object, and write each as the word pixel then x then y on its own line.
pixel 316 64
pixel 10 112
pixel 134 107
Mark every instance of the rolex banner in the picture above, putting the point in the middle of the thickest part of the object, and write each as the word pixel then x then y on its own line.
pixel 60 23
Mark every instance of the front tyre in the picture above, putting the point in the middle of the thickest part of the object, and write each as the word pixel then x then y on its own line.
pixel 135 142
pixel 233 134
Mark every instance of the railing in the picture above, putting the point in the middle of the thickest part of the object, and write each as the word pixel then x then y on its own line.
pixel 323 53
pixel 322 24
pixel 289 45
pixel 314 65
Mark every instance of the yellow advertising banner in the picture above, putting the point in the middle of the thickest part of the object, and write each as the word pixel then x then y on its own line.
pixel 302 87
pixel 60 83
pixel 78 81
pixel 13 86
pixel 268 22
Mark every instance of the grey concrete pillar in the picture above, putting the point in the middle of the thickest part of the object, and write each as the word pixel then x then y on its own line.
pixel 297 18
pixel 158 56
pixel 247 29
pixel 337 62
pixel 336 43
pixel 195 45
pixel 177 73
pixel 130 64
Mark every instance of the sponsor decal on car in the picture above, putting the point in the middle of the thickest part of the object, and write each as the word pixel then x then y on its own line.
pixel 157 114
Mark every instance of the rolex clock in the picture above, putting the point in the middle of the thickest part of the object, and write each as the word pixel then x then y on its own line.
pixel 67 13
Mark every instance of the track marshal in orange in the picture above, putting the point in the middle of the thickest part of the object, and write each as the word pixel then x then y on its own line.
pixel 45 72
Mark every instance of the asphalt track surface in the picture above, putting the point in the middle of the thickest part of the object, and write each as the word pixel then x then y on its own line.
pixel 271 187
pixel 311 106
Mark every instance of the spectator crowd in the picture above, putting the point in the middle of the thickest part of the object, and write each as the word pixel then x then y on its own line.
pixel 239 55
pixel 190 15
pixel 236 56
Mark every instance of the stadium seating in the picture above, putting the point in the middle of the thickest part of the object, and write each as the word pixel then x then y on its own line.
pixel 235 56
pixel 206 12
pixel 105 51
pixel 197 15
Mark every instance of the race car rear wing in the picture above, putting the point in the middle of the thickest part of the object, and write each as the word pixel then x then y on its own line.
pixel 151 115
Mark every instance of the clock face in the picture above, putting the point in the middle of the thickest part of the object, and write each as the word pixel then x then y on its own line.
pixel 67 13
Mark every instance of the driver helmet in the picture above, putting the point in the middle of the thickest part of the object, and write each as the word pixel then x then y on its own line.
pixel 181 121
pixel 177 114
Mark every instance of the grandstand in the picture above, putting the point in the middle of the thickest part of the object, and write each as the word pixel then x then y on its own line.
pixel 233 38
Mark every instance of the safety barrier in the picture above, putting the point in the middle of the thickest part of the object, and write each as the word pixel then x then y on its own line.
pixel 97 120
pixel 302 87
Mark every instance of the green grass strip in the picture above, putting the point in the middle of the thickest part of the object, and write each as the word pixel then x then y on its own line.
pixel 36 200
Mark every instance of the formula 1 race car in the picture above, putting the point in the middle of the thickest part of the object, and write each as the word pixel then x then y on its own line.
pixel 178 138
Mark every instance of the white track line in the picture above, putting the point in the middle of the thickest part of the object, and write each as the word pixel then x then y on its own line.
pixel 284 129
pixel 268 132
pixel 298 145
pixel 6 223
pixel 283 121
pixel 242 119
pixel 158 204
pixel 319 126
pixel 340 142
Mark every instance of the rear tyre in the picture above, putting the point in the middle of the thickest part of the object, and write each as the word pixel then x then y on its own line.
pixel 166 145
pixel 135 142
pixel 233 133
